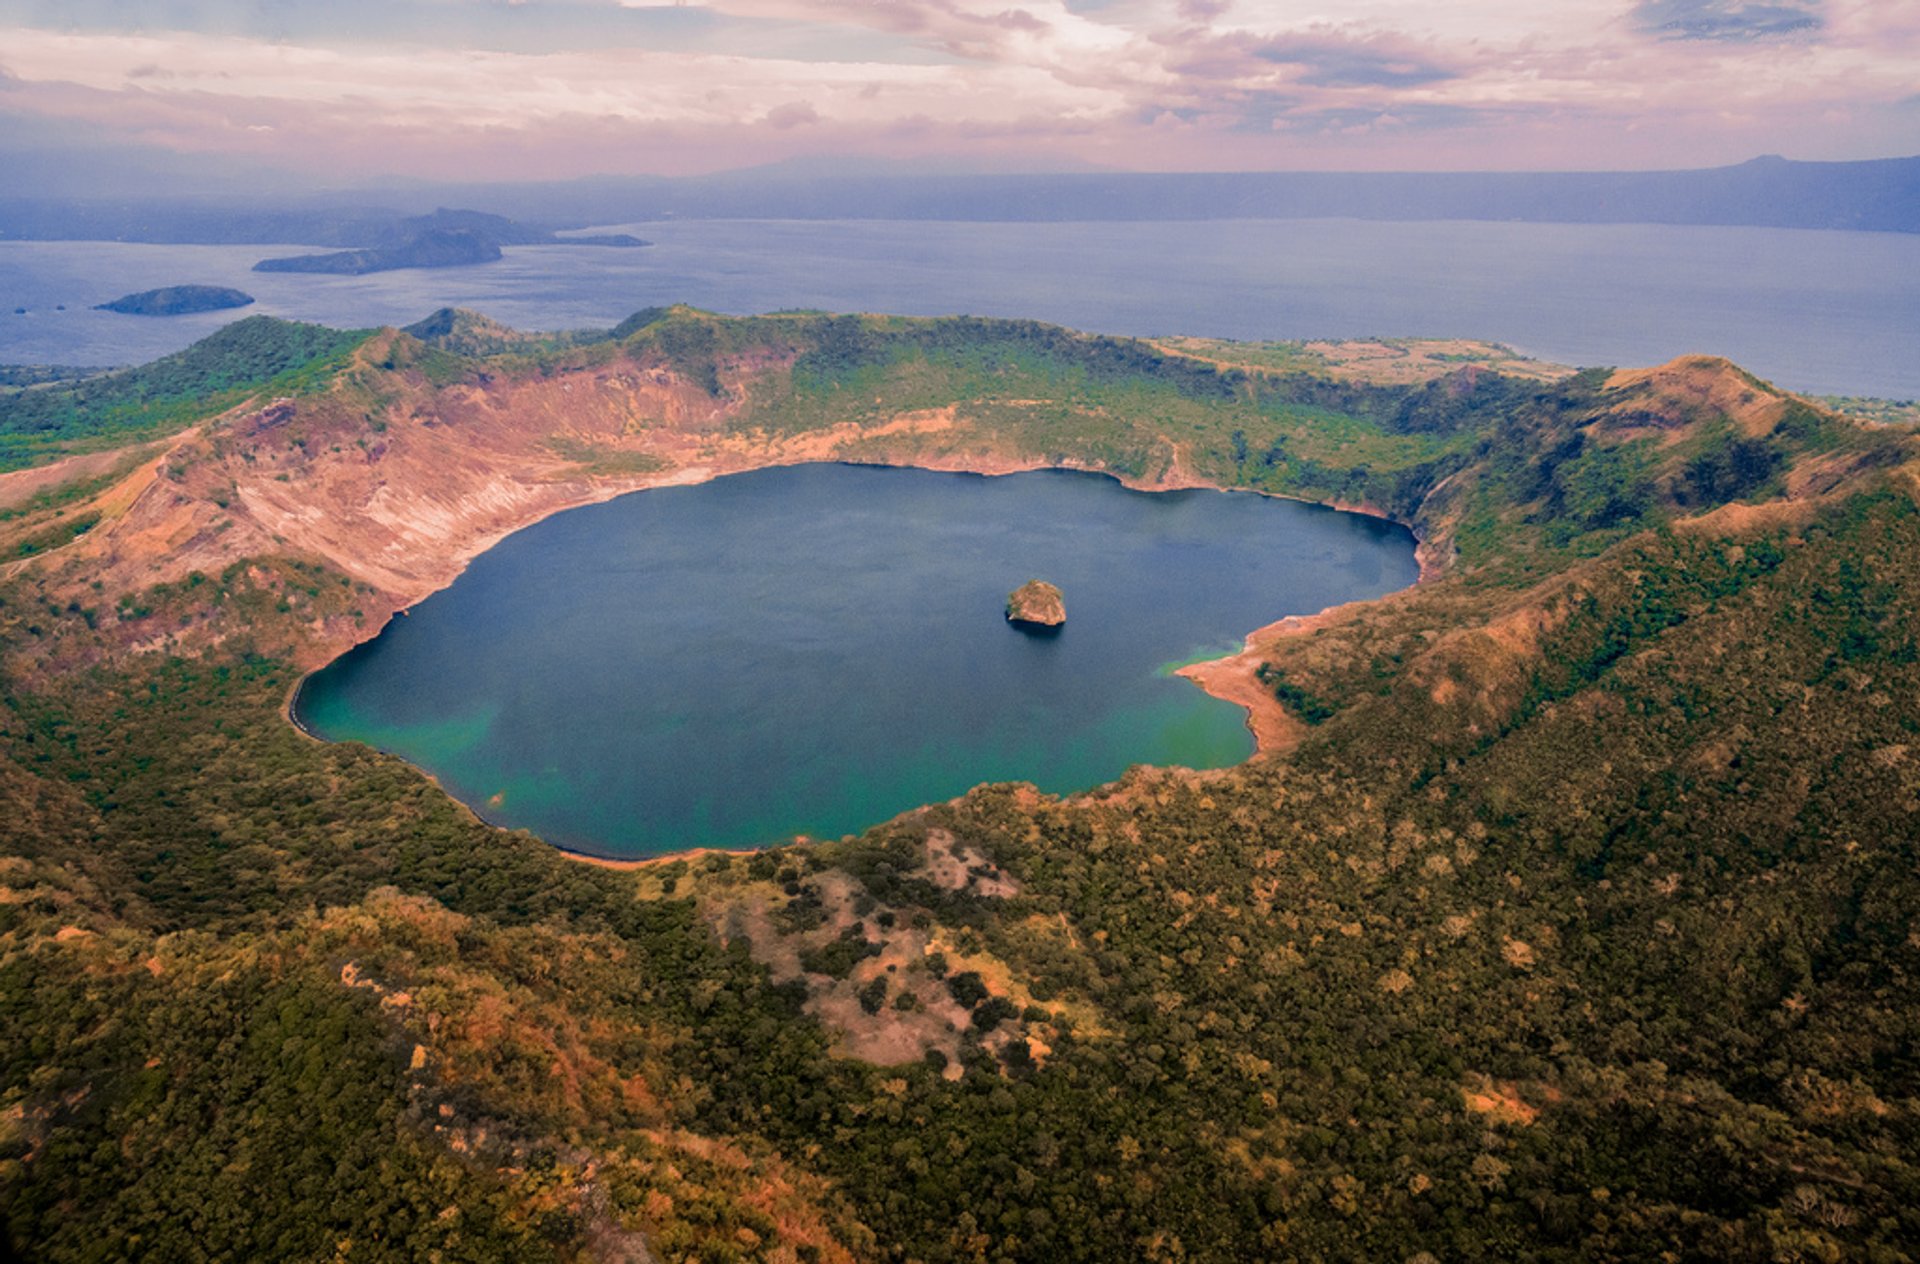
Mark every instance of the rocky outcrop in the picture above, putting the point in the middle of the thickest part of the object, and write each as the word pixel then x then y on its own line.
pixel 1036 603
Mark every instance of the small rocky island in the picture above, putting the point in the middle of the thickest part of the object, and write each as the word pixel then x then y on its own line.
pixel 177 300
pixel 1036 604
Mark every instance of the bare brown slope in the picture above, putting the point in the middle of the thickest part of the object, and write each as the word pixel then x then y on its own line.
pixel 398 483
pixel 1670 397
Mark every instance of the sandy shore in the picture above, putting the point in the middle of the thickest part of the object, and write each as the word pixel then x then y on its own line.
pixel 1235 678
pixel 649 862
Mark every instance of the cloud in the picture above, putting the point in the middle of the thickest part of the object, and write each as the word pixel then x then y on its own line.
pixel 1352 120
pixel 792 114
pixel 1328 60
pixel 1262 110
pixel 1280 112
pixel 1321 56
pixel 1035 33
pixel 1127 83
pixel 1726 19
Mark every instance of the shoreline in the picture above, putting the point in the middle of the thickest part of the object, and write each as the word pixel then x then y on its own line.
pixel 1229 678
pixel 667 857
pixel 1233 678
pixel 290 708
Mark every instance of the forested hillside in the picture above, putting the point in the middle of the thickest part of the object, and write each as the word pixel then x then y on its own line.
pixel 1578 917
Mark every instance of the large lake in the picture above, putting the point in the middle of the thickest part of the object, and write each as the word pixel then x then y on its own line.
pixel 1828 312
pixel 818 648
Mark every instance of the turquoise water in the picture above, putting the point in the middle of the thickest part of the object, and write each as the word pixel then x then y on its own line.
pixel 815 649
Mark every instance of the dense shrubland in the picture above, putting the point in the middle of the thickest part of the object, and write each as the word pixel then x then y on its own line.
pixel 1581 924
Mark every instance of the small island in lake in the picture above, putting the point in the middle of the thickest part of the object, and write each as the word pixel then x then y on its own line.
pixel 437 248
pixel 177 300
pixel 1036 603
pixel 444 239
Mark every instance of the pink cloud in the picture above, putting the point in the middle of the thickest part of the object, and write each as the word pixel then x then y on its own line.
pixel 1153 84
pixel 792 114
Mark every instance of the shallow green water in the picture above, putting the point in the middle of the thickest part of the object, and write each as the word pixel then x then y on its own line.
pixel 815 649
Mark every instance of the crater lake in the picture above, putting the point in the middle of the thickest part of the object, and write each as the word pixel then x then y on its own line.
pixel 814 649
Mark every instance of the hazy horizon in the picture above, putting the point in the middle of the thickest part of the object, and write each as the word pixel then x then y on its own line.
pixel 84 174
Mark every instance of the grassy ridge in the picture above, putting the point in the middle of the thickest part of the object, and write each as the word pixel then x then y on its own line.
pixel 1124 405
pixel 1554 467
pixel 256 356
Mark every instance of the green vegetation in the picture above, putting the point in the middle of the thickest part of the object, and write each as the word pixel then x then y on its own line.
pixel 18 375
pixel 1883 412
pixel 603 461
pixel 469 334
pixel 252 357
pixel 1124 405
pixel 1580 925
pixel 1312 709
pixel 69 492
pixel 53 537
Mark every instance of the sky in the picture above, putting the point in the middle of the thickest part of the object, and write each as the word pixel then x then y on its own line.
pixel 344 91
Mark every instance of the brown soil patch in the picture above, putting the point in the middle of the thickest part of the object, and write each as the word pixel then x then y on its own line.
pixel 826 444
pixel 1740 518
pixel 1499 1102
pixel 114 506
pixel 956 867
pixel 21 486
pixel 653 862
pixel 889 1036
pixel 897 964
pixel 1694 386
pixel 1410 361
pixel 1392 362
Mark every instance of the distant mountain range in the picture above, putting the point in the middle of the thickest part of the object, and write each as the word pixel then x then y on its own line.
pixel 370 240
pixel 1882 195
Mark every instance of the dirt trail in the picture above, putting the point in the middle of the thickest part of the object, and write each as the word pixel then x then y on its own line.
pixel 112 504
pixel 17 487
